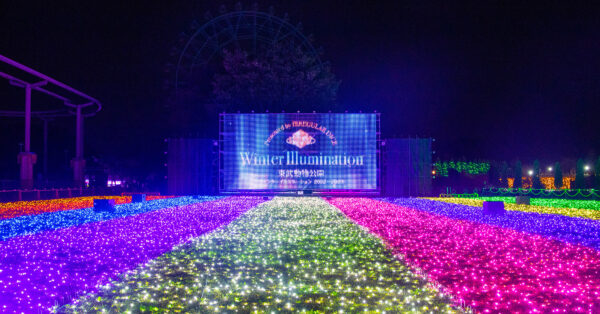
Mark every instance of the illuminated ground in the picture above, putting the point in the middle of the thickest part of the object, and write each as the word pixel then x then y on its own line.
pixel 299 254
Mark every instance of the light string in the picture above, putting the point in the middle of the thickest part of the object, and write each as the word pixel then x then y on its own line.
pixel 24 208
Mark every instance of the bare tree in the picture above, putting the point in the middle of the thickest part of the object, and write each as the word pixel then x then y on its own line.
pixel 283 77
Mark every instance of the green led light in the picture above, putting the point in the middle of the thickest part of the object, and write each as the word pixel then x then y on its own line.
pixel 286 255
pixel 461 166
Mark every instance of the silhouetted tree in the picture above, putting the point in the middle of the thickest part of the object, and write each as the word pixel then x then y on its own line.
pixel 536 182
pixel 284 77
pixel 558 176
pixel 579 177
pixel 504 174
pixel 452 180
pixel 518 183
pixel 494 174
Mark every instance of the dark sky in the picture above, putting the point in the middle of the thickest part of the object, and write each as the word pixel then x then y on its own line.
pixel 486 79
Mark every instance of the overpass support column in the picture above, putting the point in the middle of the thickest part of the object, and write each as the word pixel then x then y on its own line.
pixel 78 163
pixel 26 158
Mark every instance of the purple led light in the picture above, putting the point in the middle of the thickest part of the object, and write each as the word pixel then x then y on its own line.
pixel 54 267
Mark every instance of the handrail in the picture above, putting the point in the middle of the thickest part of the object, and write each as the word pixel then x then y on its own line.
pixel 459 195
pixel 45 80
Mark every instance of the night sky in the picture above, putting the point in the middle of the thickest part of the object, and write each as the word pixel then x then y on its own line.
pixel 487 79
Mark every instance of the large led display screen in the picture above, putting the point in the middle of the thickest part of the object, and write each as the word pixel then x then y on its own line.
pixel 293 151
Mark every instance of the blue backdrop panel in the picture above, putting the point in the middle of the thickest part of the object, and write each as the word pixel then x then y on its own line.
pixel 407 167
pixel 191 165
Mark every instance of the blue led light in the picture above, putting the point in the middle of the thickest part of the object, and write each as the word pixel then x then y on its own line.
pixel 51 221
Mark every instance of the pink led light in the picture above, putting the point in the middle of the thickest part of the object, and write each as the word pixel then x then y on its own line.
pixel 489 268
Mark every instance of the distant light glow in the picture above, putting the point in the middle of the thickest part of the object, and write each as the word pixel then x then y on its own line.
pixel 111 183
pixel 547 181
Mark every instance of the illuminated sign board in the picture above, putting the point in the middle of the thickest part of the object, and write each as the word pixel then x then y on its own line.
pixel 293 151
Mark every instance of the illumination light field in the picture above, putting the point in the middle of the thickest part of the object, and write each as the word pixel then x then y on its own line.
pixel 488 267
pixel 25 225
pixel 287 255
pixel 299 254
pixel 52 268
pixel 572 212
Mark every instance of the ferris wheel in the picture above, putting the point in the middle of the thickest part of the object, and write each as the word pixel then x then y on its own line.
pixel 198 52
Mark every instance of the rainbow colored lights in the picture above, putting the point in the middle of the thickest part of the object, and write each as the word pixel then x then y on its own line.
pixel 306 254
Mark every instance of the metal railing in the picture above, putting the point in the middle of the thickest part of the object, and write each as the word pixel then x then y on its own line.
pixel 466 195
pixel 590 194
